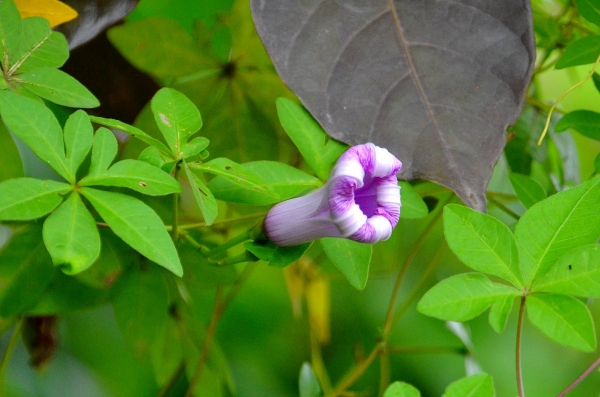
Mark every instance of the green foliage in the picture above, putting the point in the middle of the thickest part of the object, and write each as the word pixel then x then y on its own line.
pixel 351 258
pixel 585 122
pixel 528 190
pixel 480 385
pixel 401 389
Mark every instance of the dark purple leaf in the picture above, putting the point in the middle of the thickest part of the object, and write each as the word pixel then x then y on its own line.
pixel 435 82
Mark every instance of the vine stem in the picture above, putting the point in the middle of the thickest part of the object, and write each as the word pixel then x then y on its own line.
pixel 174 230
pixel 581 377
pixel 12 343
pixel 560 98
pixel 520 388
pixel 221 304
pixel 356 373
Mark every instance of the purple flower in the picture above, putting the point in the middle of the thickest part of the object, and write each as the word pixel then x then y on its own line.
pixel 361 201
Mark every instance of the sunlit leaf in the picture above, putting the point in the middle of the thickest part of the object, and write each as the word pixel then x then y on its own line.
pixel 104 151
pixel 54 11
pixel 58 87
pixel 482 242
pixel 556 225
pixel 563 319
pixel 378 79
pixel 24 199
pixel 10 31
pixel 463 297
pixel 499 312
pixel 131 130
pixel 137 224
pixel 79 137
pixel 71 236
pixel 35 125
pixel 351 258
pixel 401 389
pixel 39 47
pixel 580 52
pixel 136 175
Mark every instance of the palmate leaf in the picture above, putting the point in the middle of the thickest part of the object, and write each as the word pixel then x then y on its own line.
pixel 104 151
pixel 131 130
pixel 575 273
pixel 176 117
pixel 136 175
pixel 23 199
pixel 369 73
pixel 137 224
pixel 79 136
pixel 351 258
pixel 71 236
pixel 463 297
pixel 35 125
pixel 204 198
pixel 499 312
pixel 10 32
pixel 554 226
pixel 483 243
pixel 563 319
pixel 58 87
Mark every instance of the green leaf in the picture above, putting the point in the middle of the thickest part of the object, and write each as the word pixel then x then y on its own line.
pixel 597 164
pixel 596 79
pixel 35 125
pixel 479 385
pixel 141 306
pixel 351 258
pixel 585 122
pixel 194 147
pixel 10 31
pixel 308 384
pixel 483 243
pixel 563 319
pixel 26 270
pixel 237 175
pixel 317 148
pixel 413 206
pixel 24 199
pixel 198 275
pixel 153 156
pixel 159 46
pixel 131 130
pixel 78 136
pixel 556 225
pixel 177 118
pixel 104 151
pixel 39 47
pixel 203 196
pixel 11 165
pixel 580 52
pixel 401 389
pixel 71 236
pixel 575 273
pixel 58 87
pixel 590 10
pixel 528 190
pixel 499 312
pixel 275 255
pixel 136 175
pixel 286 182
pixel 138 225
pixel 463 297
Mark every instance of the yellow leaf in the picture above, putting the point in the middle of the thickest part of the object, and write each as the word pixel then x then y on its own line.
pixel 53 10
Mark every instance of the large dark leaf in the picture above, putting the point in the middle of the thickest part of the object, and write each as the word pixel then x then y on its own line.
pixel 94 16
pixel 435 82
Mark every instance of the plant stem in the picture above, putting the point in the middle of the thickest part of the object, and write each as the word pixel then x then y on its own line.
pixel 221 249
pixel 204 350
pixel 317 363
pixel 428 350
pixel 221 304
pixel 520 388
pixel 12 343
pixel 174 231
pixel 504 208
pixel 221 222
pixel 355 373
pixel 581 377
pixel 172 380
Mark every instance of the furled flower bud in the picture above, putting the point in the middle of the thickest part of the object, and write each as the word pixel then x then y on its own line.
pixel 360 201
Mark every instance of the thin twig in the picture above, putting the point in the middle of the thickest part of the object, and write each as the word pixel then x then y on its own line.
pixel 172 380
pixel 355 373
pixel 12 343
pixel 581 377
pixel 518 348
pixel 564 94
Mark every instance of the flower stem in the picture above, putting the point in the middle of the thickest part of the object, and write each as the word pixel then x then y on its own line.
pixel 355 373
pixel 520 388
pixel 174 230
pixel 581 377
pixel 12 343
